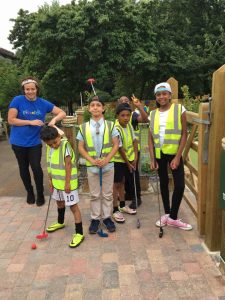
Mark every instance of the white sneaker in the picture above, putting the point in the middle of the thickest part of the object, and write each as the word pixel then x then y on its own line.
pixel 127 210
pixel 179 224
pixel 163 220
pixel 118 217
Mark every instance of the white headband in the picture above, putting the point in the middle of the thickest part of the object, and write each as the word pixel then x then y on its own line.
pixel 29 81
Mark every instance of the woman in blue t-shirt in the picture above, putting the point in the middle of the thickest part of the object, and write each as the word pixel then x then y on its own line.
pixel 26 116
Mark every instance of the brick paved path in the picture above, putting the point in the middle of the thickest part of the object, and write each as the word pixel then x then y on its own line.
pixel 129 264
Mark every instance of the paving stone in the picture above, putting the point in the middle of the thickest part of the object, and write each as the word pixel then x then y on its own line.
pixel 130 264
pixel 110 279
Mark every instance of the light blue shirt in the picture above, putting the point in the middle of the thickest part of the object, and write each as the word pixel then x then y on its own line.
pixel 98 141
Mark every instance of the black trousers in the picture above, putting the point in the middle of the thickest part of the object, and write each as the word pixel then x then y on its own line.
pixel 30 156
pixel 179 185
pixel 129 184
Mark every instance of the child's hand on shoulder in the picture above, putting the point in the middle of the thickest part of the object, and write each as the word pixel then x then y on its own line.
pixel 175 163
pixel 67 187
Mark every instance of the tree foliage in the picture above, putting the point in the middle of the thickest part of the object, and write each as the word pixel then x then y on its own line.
pixel 127 45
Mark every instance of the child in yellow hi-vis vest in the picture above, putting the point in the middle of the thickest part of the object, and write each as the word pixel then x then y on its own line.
pixel 98 142
pixel 167 139
pixel 124 162
pixel 63 181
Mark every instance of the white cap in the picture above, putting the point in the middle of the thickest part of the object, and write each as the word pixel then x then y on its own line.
pixel 163 86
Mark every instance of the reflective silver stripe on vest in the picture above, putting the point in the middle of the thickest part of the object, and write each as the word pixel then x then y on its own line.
pixel 157 145
pixel 155 136
pixel 175 116
pixel 176 129
pixel 89 149
pixel 83 127
pixel 174 142
pixel 152 120
pixel 61 177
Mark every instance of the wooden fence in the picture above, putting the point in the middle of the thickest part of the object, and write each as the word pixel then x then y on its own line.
pixel 195 161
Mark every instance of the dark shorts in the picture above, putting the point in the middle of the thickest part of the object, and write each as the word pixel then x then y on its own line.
pixel 120 171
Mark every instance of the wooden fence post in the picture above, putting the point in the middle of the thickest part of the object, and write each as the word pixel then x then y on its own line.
pixel 202 170
pixel 174 86
pixel 217 130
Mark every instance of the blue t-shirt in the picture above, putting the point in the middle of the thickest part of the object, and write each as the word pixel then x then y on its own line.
pixel 27 135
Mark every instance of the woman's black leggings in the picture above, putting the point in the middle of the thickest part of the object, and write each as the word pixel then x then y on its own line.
pixel 30 156
pixel 179 185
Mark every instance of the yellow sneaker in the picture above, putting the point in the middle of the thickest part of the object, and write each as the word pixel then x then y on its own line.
pixel 55 226
pixel 77 239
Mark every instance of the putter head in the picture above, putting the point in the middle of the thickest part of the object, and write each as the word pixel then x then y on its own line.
pixel 42 236
pixel 161 233
pixel 138 224
pixel 101 233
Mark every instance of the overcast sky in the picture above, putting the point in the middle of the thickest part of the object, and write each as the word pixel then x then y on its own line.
pixel 10 9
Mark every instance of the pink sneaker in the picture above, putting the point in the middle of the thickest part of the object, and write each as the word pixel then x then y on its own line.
pixel 179 224
pixel 163 220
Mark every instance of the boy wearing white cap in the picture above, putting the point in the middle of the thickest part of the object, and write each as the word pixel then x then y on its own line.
pixel 167 139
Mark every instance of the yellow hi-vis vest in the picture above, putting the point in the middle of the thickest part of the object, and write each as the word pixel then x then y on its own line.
pixel 172 132
pixel 137 132
pixel 89 144
pixel 126 141
pixel 56 166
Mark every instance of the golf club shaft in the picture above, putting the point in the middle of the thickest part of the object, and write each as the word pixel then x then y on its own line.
pixel 47 212
pixel 93 88
pixel 135 192
pixel 159 206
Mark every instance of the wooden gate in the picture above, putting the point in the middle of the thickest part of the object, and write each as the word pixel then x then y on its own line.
pixel 195 161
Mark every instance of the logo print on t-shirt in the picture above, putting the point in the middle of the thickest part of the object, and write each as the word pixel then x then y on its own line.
pixel 27 112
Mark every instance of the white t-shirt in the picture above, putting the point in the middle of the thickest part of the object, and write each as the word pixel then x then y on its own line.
pixel 163 115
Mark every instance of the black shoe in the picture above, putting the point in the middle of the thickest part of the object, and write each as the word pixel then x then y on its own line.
pixel 133 205
pixel 40 199
pixel 30 197
pixel 109 224
pixel 139 202
pixel 93 228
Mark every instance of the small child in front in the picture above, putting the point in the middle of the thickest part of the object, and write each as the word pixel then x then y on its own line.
pixel 63 181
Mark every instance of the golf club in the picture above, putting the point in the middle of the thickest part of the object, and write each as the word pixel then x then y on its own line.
pixel 160 224
pixel 91 81
pixel 100 232
pixel 44 235
pixel 136 201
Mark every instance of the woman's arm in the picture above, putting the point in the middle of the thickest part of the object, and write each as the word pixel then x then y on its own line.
pixel 13 120
pixel 59 115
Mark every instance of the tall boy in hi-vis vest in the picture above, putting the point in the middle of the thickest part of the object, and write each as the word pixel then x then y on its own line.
pixel 167 139
pixel 63 181
pixel 98 143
